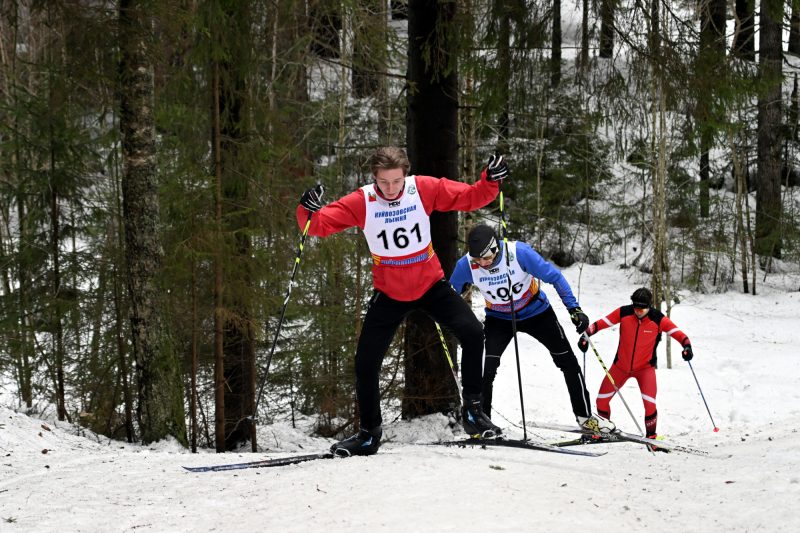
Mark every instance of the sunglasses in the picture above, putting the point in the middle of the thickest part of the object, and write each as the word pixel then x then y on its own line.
pixel 486 257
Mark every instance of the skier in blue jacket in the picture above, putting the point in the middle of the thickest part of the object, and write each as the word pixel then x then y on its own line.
pixel 485 267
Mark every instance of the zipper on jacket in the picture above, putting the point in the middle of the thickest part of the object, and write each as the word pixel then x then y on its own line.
pixel 635 340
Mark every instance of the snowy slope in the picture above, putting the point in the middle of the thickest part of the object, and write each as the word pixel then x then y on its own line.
pixel 746 361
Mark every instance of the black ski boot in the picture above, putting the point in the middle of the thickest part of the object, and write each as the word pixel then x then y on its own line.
pixel 475 421
pixel 362 443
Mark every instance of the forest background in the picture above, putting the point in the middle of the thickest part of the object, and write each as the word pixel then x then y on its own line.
pixel 152 154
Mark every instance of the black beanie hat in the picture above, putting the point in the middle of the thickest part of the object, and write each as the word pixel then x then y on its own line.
pixel 642 298
pixel 481 240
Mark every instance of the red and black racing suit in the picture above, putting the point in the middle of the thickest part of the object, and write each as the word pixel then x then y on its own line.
pixel 636 357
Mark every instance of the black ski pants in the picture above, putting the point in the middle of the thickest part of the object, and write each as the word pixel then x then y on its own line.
pixel 546 329
pixel 383 317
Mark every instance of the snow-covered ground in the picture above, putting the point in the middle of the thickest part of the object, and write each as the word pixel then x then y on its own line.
pixel 746 360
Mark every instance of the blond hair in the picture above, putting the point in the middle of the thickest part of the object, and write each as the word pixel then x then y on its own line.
pixel 389 157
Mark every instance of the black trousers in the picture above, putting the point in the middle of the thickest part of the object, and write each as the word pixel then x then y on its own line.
pixel 383 317
pixel 545 328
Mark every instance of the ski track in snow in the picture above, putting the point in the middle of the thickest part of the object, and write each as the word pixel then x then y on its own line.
pixel 746 361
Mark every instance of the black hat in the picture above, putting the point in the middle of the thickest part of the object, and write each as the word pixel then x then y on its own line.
pixel 642 298
pixel 482 240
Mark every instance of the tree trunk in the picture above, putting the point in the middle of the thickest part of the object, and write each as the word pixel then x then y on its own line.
pixel 794 115
pixel 660 236
pixel 193 356
pixel 26 341
pixel 160 408
pixel 710 62
pixel 741 198
pixel 659 166
pixel 607 28
pixel 121 310
pixel 369 48
pixel 55 304
pixel 237 285
pixel 743 37
pixel 583 58
pixel 555 46
pixel 122 355
pixel 794 28
pixel 219 354
pixel 504 74
pixel 432 137
pixel 770 118
pixel 655 31
pixel 387 121
pixel 55 125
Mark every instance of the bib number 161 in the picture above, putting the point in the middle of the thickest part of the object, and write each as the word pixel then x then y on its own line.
pixel 400 237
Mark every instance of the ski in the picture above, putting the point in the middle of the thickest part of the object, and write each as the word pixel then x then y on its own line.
pixel 618 436
pixel 265 463
pixel 588 439
pixel 583 439
pixel 513 443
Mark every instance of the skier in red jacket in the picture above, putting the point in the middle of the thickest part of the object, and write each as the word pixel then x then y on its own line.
pixel 640 328
pixel 394 214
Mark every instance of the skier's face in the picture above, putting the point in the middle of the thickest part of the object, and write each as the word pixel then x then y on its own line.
pixel 640 312
pixel 391 182
pixel 487 260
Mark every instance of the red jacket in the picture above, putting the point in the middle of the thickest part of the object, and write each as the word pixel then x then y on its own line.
pixel 437 194
pixel 638 338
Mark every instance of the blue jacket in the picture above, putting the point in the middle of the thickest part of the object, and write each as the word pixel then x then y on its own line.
pixel 532 263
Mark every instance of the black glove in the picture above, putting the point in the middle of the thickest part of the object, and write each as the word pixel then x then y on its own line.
pixel 687 352
pixel 579 318
pixel 583 343
pixel 312 198
pixel 496 168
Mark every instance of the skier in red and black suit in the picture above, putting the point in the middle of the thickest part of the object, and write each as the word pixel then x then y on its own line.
pixel 640 328
pixel 394 215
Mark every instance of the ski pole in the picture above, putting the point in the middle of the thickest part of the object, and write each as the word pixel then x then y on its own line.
pixel 613 384
pixel 584 365
pixel 283 312
pixel 449 359
pixel 716 429
pixel 513 311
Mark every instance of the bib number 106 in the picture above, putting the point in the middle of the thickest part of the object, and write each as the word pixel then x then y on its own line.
pixel 501 293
